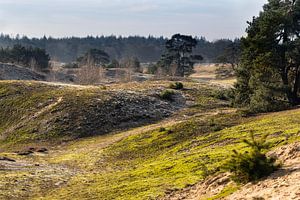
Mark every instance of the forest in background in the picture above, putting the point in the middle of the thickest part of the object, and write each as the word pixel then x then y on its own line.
pixel 146 49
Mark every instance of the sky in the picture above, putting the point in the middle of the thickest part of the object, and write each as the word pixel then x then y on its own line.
pixel 213 19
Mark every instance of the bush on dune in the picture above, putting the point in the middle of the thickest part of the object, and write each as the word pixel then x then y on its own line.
pixel 251 165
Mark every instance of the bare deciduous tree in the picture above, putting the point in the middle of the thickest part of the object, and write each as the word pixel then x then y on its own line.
pixel 91 73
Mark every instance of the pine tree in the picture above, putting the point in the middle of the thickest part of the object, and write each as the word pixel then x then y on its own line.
pixel 269 73
pixel 253 164
pixel 179 51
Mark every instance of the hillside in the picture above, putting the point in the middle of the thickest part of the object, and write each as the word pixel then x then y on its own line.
pixel 162 150
pixel 33 111
pixel 282 184
pixel 14 72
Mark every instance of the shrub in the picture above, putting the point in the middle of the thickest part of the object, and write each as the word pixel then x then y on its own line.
pixel 176 86
pixel 263 100
pixel 216 128
pixel 253 165
pixel 162 129
pixel 152 69
pixel 167 95
pixel 223 94
pixel 71 65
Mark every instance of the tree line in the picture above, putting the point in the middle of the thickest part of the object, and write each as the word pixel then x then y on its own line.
pixel 145 49
pixel 266 61
pixel 35 58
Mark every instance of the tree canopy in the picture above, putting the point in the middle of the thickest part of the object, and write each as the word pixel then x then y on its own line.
pixel 94 57
pixel 178 54
pixel 231 54
pixel 269 74
pixel 146 49
pixel 28 57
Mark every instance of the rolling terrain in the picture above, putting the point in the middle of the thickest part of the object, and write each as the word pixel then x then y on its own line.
pixel 123 141
pixel 15 72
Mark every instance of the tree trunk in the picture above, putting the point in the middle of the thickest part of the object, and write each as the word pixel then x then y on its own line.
pixel 296 87
pixel 291 93
pixel 288 90
pixel 232 66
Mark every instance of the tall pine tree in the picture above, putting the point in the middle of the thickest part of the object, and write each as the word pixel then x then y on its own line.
pixel 178 54
pixel 269 73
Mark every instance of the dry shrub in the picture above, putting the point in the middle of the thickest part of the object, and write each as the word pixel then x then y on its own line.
pixel 88 75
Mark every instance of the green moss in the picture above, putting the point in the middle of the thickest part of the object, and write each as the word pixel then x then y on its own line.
pixel 146 164
pixel 26 114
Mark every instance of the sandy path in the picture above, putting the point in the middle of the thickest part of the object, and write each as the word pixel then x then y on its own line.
pixel 207 74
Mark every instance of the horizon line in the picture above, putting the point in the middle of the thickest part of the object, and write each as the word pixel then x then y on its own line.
pixel 22 36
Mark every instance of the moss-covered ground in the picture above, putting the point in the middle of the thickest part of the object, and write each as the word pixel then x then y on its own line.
pixel 35 112
pixel 147 162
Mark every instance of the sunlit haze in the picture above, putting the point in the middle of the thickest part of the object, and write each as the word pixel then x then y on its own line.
pixel 60 18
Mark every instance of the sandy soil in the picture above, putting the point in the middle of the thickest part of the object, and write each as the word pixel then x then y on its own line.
pixel 207 73
pixel 281 185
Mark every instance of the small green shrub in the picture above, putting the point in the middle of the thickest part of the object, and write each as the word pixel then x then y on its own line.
pixel 162 129
pixel 167 95
pixel 71 65
pixel 212 122
pixel 176 86
pixel 223 94
pixel 253 165
pixel 152 69
pixel 214 126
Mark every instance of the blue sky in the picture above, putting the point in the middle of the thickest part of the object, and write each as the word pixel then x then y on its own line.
pixel 212 19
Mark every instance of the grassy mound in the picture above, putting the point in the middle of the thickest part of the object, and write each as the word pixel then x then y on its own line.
pixel 151 164
pixel 14 72
pixel 33 111
pixel 148 162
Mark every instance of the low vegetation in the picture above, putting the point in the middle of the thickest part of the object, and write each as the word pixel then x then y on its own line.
pixel 32 111
pixel 151 139
pixel 146 162
pixel 253 164
pixel 176 86
pixel 167 95
pixel 150 164
pixel 223 94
